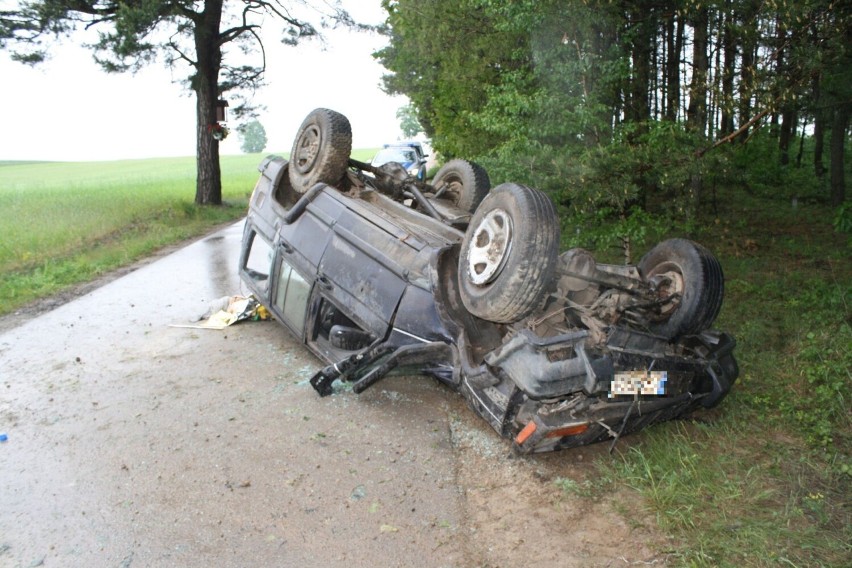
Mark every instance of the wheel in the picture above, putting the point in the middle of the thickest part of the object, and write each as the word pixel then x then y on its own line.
pixel 509 254
pixel 466 184
pixel 692 277
pixel 321 150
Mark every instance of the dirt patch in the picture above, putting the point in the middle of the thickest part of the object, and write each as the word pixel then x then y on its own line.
pixel 518 513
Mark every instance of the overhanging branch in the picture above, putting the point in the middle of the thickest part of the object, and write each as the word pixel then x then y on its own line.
pixel 730 137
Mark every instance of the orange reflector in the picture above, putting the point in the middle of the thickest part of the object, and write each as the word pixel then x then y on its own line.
pixel 568 431
pixel 524 434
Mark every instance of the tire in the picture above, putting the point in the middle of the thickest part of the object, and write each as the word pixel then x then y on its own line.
pixel 321 150
pixel 509 254
pixel 680 266
pixel 467 184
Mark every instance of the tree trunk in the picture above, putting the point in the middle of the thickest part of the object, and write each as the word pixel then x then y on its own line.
pixel 603 40
pixel 639 109
pixel 208 185
pixel 715 108
pixel 696 113
pixel 801 144
pixel 675 77
pixel 654 78
pixel 747 67
pixel 780 71
pixel 669 31
pixel 819 130
pixel 788 128
pixel 789 113
pixel 727 100
pixel 838 139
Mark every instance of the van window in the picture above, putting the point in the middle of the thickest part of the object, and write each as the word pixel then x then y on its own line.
pixel 259 261
pixel 291 297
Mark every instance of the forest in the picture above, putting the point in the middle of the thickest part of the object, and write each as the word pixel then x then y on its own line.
pixel 631 114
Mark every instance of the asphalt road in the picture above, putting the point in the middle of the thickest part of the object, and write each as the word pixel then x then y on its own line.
pixel 135 443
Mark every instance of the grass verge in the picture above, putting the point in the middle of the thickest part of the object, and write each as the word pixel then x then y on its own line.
pixel 763 479
pixel 64 223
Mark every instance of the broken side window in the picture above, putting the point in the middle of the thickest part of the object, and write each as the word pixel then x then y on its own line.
pixel 259 261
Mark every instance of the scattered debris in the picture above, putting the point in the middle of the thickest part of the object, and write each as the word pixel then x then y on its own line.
pixel 227 311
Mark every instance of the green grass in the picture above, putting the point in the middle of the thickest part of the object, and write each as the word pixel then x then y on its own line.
pixel 67 222
pixel 763 480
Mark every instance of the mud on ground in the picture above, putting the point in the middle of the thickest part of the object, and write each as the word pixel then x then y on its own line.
pixel 133 443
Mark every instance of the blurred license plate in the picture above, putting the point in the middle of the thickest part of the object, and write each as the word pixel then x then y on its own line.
pixel 639 382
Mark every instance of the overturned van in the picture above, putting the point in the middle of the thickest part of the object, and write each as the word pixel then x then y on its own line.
pixel 377 271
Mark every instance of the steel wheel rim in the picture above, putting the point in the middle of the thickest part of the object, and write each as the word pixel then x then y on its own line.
pixel 308 149
pixel 669 283
pixel 489 247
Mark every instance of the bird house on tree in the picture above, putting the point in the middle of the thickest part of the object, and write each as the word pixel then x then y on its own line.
pixel 221 111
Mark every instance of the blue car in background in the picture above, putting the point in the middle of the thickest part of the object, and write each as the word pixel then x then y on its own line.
pixel 408 154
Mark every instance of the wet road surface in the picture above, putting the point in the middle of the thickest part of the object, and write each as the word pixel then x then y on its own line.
pixel 133 443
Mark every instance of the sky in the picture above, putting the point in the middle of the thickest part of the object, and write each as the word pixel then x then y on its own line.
pixel 67 109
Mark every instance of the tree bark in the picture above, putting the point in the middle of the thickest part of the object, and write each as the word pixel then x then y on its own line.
pixel 639 109
pixel 780 71
pixel 696 113
pixel 838 138
pixel 819 129
pixel 674 72
pixel 801 145
pixel 669 82
pixel 789 112
pixel 747 67
pixel 715 70
pixel 208 184
pixel 788 128
pixel 727 100
pixel 654 78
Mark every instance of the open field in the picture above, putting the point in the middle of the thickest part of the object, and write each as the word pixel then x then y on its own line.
pixel 67 222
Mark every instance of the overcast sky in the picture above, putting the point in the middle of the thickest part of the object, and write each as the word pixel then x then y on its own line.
pixel 68 109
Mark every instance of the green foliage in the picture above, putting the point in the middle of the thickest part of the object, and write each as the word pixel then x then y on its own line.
pixel 793 331
pixel 759 170
pixel 763 479
pixel 552 96
pixel 730 499
pixel 825 362
pixel 254 137
pixel 443 55
pixel 408 123
pixel 586 488
pixel 843 219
